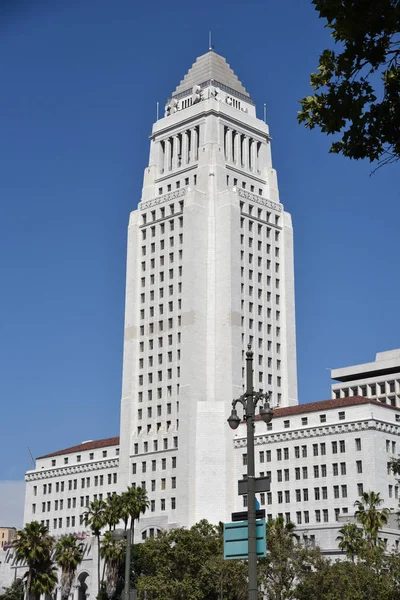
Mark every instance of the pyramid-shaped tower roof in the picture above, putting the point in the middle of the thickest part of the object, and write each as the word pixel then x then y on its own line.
pixel 211 66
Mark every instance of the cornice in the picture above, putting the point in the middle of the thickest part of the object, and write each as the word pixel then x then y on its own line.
pixel 180 126
pixel 162 199
pixel 259 200
pixel 320 431
pixel 177 172
pixel 72 470
pixel 244 173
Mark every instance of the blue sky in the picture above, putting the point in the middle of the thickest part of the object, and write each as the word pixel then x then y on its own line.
pixel 80 83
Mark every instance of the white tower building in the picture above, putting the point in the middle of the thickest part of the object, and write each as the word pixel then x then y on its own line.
pixel 209 269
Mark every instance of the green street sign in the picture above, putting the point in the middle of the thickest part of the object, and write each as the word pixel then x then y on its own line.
pixel 236 539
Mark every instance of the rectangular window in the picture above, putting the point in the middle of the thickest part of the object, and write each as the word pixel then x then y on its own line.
pixel 335 468
pixel 343 468
pixel 304 451
pixel 315 449
pixel 334 448
pixel 297 451
pixel 358 444
pixel 344 491
pixel 322 448
pixel 342 445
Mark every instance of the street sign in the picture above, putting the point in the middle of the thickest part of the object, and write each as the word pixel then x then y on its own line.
pixel 236 540
pixel 262 484
pixel 243 515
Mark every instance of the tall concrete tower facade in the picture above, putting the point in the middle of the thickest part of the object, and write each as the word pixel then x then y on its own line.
pixel 209 269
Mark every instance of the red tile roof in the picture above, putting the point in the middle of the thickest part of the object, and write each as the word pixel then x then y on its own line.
pixel 327 405
pixel 278 412
pixel 113 441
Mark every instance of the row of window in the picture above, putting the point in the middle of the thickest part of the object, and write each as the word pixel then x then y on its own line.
pixel 69 502
pixel 304 495
pixel 318 471
pixel 152 376
pixel 161 223
pixel 60 486
pixel 78 457
pixel 372 389
pixel 154 462
pixel 151 248
pixel 161 276
pixel 302 451
pixel 153 483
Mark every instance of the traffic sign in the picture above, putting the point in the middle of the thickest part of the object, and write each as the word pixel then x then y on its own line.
pixel 236 540
pixel 243 515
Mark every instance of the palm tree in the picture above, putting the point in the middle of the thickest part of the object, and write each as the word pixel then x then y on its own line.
pixel 44 580
pixel 33 546
pixel 113 552
pixel 134 503
pixel 94 517
pixel 113 513
pixel 68 555
pixel 350 540
pixel 370 516
pixel 280 528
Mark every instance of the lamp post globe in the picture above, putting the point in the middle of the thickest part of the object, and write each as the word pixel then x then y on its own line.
pixel 266 413
pixel 233 420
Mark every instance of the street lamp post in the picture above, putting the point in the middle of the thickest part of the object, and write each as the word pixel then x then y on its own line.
pixel 120 534
pixel 249 401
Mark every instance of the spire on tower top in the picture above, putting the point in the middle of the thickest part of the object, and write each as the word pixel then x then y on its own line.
pixel 211 67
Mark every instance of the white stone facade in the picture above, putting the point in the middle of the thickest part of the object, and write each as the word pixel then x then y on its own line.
pixel 63 484
pixel 210 268
pixel 320 457
pixel 379 380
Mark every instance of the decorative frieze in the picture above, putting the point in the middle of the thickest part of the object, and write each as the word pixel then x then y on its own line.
pixel 259 200
pixel 162 199
pixel 303 434
pixel 72 470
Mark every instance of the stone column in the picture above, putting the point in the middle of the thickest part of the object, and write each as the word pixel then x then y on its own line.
pixel 175 153
pixel 185 157
pixel 168 154
pixel 195 143
pixel 161 157
pixel 253 154
pixel 245 150
pixel 236 142
pixel 228 143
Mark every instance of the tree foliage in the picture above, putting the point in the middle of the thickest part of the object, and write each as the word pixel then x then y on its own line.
pixel 288 560
pixel 68 555
pixel 371 516
pixel 15 591
pixel 34 546
pixel 356 89
pixel 188 564
pixel 113 553
pixel 347 580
